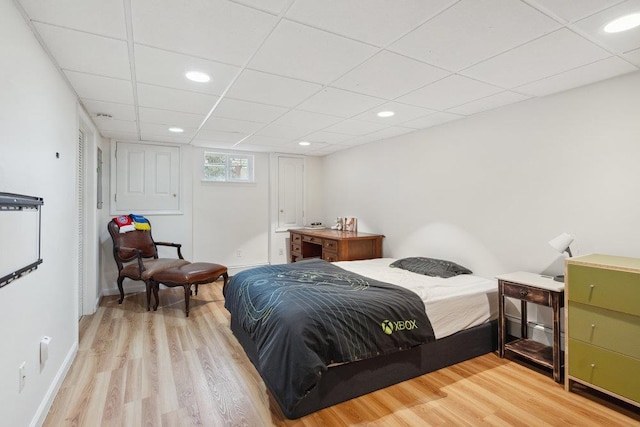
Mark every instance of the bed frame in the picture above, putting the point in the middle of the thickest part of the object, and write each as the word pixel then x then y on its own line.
pixel 349 380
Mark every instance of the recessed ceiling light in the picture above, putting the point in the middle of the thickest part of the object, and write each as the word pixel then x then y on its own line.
pixel 197 76
pixel 304 143
pixel 176 129
pixel 386 113
pixel 623 23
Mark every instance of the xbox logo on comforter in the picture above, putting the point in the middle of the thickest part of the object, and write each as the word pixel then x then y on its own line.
pixel 400 325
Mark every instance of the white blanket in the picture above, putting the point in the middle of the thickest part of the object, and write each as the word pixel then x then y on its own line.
pixel 452 304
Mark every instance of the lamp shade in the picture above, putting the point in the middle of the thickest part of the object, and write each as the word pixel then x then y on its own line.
pixel 561 243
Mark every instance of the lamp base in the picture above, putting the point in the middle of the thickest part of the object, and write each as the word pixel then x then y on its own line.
pixel 559 278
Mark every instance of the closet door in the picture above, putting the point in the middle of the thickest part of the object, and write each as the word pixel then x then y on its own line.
pixel 147 178
pixel 290 192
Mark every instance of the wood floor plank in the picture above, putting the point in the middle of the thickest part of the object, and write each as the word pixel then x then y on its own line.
pixel 161 368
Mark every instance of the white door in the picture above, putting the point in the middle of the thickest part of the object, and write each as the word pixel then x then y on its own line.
pixel 290 192
pixel 147 178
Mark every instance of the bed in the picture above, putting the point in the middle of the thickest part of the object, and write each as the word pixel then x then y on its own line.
pixel 321 333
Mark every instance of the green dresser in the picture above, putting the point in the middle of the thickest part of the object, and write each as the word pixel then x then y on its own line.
pixel 603 325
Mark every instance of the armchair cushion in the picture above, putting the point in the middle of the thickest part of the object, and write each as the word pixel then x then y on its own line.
pixel 151 266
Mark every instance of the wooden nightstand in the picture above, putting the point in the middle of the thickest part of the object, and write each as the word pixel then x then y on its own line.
pixel 536 289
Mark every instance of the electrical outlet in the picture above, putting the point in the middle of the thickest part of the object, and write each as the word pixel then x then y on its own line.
pixel 280 251
pixel 22 376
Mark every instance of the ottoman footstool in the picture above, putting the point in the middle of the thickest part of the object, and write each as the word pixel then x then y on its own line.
pixel 196 273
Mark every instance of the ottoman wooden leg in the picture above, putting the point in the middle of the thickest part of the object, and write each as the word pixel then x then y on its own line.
pixel 187 294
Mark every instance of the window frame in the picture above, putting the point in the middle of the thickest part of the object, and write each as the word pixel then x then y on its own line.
pixel 228 158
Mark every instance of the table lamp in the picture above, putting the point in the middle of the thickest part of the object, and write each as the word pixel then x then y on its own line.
pixel 561 244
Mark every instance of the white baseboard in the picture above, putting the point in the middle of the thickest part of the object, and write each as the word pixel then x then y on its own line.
pixel 47 401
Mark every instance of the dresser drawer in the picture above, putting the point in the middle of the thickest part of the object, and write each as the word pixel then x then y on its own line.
pixel 611 289
pixel 606 369
pixel 612 330
pixel 527 293
pixel 330 245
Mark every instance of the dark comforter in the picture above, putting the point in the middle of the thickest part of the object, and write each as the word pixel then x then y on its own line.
pixel 311 314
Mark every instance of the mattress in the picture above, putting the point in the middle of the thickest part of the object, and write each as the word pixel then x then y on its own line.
pixel 453 304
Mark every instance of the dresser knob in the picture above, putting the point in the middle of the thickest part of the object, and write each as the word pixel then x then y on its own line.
pixel 523 293
pixel 593 365
pixel 593 325
pixel 592 286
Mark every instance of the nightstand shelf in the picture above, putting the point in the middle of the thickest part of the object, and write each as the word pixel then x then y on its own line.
pixel 535 289
pixel 532 350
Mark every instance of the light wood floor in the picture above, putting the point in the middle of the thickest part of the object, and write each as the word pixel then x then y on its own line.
pixel 137 368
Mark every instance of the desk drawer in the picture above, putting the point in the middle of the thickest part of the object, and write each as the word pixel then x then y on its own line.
pixel 296 249
pixel 329 256
pixel 606 369
pixel 611 289
pixel 612 330
pixel 312 239
pixel 296 238
pixel 526 293
pixel 330 245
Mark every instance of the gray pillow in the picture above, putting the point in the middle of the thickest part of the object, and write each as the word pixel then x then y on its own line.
pixel 430 267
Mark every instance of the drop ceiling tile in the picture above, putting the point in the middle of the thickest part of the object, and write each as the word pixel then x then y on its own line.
pixel 284 132
pixel 114 125
pixel 339 102
pixel 355 127
pixel 215 29
pixel 264 140
pixel 389 132
pixel 373 21
pixel 581 76
pixel 99 88
pixel 161 68
pixel 572 10
pixel 633 57
pixel 307 119
pixel 403 113
pixel 471 31
pixel 170 118
pixel 174 99
pixel 232 125
pixel 552 54
pixel 165 138
pixel 327 137
pixel 388 75
pixel 249 111
pixel 302 52
pixel 432 120
pixel 271 6
pixel 148 130
pixel 87 53
pixel 117 111
pixel 97 17
pixel 220 137
pixel 271 89
pixel 449 92
pixel 488 103
pixel 620 42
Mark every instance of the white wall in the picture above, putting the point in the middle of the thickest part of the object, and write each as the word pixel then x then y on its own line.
pixel 37 120
pixel 491 190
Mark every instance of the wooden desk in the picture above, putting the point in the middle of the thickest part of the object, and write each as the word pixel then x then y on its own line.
pixel 334 245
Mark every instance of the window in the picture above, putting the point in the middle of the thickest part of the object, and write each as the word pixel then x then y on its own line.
pixel 225 167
